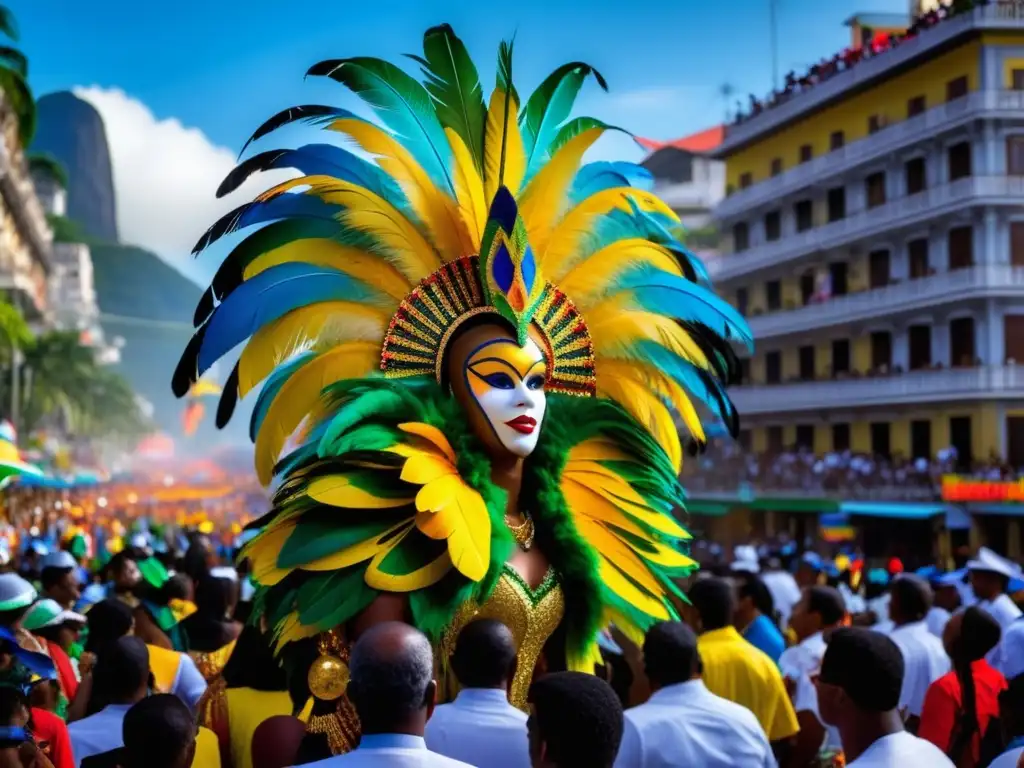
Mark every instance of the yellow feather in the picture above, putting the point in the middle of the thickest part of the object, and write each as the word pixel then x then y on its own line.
pixel 587 502
pixel 598 449
pixel 586 661
pixel 291 630
pixel 339 491
pixel 434 208
pixel 629 592
pixel 615 488
pixel 497 127
pixel 422 577
pixel 449 509
pixel 544 198
pixel 316 326
pixel 433 435
pixel 370 269
pixel 587 279
pixel 301 392
pixel 356 553
pixel 262 554
pixel 422 468
pixel 626 626
pixel 645 407
pixel 565 238
pixel 619 553
pixel 615 332
pixel 204 387
pixel 469 189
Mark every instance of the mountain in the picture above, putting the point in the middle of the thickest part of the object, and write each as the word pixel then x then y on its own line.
pixel 72 131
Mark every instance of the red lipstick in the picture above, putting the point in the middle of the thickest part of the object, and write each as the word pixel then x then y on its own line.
pixel 523 424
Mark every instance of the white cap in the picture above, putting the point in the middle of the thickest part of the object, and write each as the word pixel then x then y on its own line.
pixel 224 572
pixel 987 560
pixel 745 559
pixel 59 558
pixel 139 541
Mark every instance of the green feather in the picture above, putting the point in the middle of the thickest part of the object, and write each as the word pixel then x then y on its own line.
pixel 548 107
pixel 575 127
pixel 329 530
pixel 325 601
pixel 454 84
pixel 414 552
pixel 374 402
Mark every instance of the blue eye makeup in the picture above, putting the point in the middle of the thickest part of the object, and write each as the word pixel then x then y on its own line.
pixel 535 382
pixel 500 381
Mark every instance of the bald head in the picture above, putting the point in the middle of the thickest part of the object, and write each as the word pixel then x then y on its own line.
pixel 391 679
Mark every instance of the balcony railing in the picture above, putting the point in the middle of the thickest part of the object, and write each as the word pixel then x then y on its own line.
pixel 981 281
pixel 993 104
pixel 997 15
pixel 950 384
pixel 901 212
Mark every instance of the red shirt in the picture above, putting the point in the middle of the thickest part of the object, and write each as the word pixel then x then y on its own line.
pixel 48 728
pixel 941 712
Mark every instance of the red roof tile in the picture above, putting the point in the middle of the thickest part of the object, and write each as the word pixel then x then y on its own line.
pixel 704 141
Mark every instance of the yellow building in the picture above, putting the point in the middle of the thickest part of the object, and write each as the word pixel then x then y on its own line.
pixel 875 241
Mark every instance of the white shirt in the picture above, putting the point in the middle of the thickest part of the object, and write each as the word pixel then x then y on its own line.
pixel 189 684
pixel 390 750
pixel 480 727
pixel 885 627
pixel 924 661
pixel 901 750
pixel 1009 656
pixel 854 602
pixel 1006 612
pixel 801 664
pixel 686 724
pixel 1008 759
pixel 937 619
pixel 97 733
pixel 785 593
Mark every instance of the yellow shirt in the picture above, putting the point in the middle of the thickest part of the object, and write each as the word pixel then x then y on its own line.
pixel 247 708
pixel 207 750
pixel 737 671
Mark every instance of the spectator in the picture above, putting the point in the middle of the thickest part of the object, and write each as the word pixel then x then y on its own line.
pixel 160 732
pixel 820 611
pixel 784 589
pixel 59 578
pixel 754 611
pixel 990 577
pixel 1011 712
pixel 121 680
pixel 1010 657
pixel 480 727
pixel 859 692
pixel 276 742
pixel 683 723
pixel 57 629
pixel 576 720
pixel 924 657
pixel 45 737
pixel 733 668
pixel 392 689
pixel 959 705
pixel 211 630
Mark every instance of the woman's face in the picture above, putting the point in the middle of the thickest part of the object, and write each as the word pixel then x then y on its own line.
pixel 501 385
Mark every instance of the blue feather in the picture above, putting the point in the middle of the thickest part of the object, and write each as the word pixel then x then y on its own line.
pixel 666 294
pixel 270 295
pixel 701 384
pixel 596 177
pixel 284 206
pixel 275 381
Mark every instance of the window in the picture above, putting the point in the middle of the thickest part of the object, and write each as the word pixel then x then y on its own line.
pixel 881 349
pixel 959 156
pixel 920 344
pixel 915 106
pixel 1015 437
pixel 776 166
pixel 807 363
pixel 878 268
pixel 961 248
pixel 920 439
pixel 838 273
pixel 772 226
pixel 775 439
pixel 837 204
pixel 806 153
pixel 807 287
pixel 773 367
pixel 744 371
pixel 1017 243
pixel 742 301
pixel 916 175
pixel 804 211
pixel 746 179
pixel 740 237
pixel 874 124
pixel 917 250
pixel 960 438
pixel 773 294
pixel 840 437
pixel 1017 79
pixel 836 140
pixel 880 432
pixel 961 342
pixel 840 356
pixel 956 89
pixel 1013 338
pixel 874 187
pixel 1015 155
pixel 805 436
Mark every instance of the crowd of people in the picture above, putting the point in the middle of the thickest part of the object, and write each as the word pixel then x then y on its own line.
pixel 849 58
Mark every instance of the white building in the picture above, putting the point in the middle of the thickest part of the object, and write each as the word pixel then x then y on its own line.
pixel 685 177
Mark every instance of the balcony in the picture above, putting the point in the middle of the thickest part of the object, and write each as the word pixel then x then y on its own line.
pixel 898 213
pixel 988 105
pixel 978 282
pixel 998 15
pixel 950 384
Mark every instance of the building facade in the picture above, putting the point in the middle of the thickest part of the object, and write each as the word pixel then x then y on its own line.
pixel 690 181
pixel 874 238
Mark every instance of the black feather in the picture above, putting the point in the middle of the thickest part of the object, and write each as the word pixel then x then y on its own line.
pixel 187 372
pixel 223 226
pixel 205 307
pixel 261 162
pixel 290 115
pixel 325 68
pixel 228 399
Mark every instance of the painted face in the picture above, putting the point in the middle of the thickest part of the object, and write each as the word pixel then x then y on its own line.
pixel 507 383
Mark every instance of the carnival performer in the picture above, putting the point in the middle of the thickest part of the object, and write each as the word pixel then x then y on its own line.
pixel 476 352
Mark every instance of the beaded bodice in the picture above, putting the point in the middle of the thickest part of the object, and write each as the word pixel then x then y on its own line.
pixel 531 614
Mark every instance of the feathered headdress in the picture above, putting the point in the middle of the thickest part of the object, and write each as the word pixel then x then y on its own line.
pixel 357 267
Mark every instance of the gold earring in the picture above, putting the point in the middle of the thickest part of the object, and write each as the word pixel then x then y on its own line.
pixel 328 676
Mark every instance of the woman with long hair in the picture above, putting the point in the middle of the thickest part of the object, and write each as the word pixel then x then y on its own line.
pixel 211 631
pixel 959 705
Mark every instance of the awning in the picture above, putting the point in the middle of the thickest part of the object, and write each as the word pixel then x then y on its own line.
pixel 1006 510
pixel 957 519
pixel 896 510
pixel 707 508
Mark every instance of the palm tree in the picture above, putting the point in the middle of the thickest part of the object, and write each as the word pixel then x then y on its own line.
pixel 14 79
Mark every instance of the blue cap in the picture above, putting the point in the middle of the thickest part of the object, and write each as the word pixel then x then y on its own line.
pixel 928 572
pixel 36 663
pixel 950 579
pixel 878 576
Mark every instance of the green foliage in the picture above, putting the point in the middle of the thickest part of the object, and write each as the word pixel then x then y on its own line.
pixel 65 230
pixel 47 164
pixel 13 329
pixel 13 82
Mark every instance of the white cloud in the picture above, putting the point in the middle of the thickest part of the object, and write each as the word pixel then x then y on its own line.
pixel 165 176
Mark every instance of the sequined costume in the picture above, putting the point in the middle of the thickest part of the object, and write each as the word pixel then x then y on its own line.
pixel 357 288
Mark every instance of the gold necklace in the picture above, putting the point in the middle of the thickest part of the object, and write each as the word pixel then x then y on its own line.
pixel 523 533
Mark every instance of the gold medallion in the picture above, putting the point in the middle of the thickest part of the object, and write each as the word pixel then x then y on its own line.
pixel 328 678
